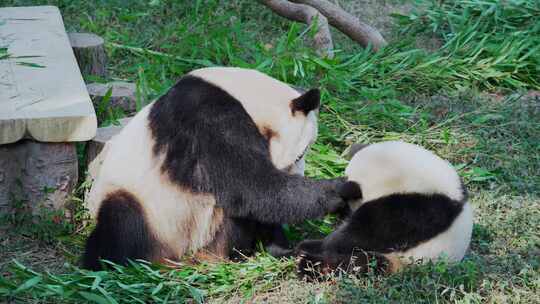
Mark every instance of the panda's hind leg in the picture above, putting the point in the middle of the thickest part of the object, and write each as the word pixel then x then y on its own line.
pixel 121 233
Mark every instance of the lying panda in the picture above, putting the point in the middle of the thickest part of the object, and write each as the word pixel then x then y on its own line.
pixel 408 205
pixel 212 166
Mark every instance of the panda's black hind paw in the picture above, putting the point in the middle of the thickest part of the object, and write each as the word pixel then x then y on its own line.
pixel 309 267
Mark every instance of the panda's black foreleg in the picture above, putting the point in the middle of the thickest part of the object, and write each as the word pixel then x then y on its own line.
pixel 291 199
pixel 274 240
pixel 242 238
pixel 278 245
pixel 277 236
pixel 243 235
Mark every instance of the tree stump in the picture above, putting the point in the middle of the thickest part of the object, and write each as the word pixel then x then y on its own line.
pixel 122 95
pixel 40 175
pixel 90 53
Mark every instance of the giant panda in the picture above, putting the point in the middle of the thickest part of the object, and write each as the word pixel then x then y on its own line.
pixel 407 205
pixel 210 167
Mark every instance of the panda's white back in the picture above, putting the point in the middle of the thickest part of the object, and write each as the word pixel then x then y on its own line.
pixel 397 167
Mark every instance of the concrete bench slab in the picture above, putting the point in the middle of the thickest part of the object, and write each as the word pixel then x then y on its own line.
pixel 47 100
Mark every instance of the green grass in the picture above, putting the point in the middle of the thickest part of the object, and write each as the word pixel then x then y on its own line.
pixel 472 101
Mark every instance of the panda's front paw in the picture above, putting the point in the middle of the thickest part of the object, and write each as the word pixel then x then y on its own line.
pixel 332 198
pixel 332 201
pixel 308 267
pixel 344 213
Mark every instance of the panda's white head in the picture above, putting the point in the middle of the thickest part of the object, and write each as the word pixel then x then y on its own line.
pixel 285 117
pixel 393 167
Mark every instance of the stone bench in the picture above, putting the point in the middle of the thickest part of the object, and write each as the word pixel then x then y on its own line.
pixel 44 108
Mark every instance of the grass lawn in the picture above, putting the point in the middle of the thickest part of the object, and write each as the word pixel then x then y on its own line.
pixel 475 101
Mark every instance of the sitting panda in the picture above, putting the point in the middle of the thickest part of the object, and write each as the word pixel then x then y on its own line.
pixel 407 205
pixel 211 167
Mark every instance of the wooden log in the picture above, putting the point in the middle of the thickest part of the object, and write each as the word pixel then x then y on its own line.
pixel 122 95
pixel 322 39
pixel 348 24
pixel 37 175
pixel 90 53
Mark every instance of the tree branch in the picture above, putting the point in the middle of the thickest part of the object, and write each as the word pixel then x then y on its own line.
pixel 306 14
pixel 348 24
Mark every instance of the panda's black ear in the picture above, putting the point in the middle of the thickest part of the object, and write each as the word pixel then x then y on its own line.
pixel 307 102
pixel 350 191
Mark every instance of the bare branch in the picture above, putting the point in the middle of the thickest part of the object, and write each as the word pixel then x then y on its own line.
pixel 348 24
pixel 306 14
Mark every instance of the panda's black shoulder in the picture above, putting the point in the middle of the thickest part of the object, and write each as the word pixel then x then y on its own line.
pixel 205 134
pixel 194 104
